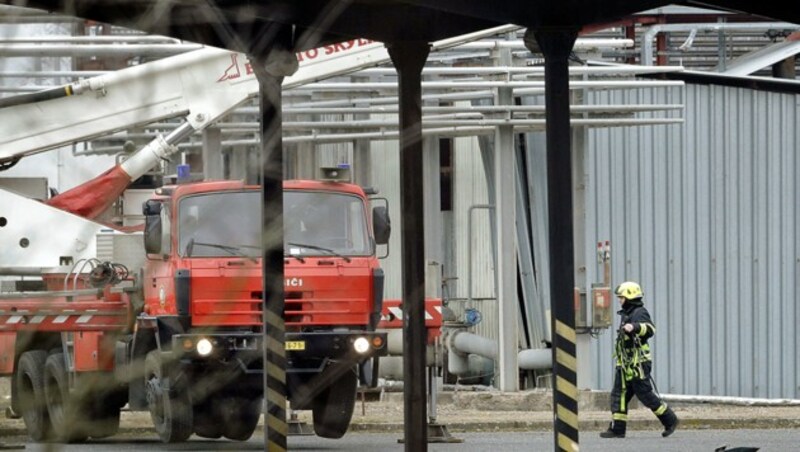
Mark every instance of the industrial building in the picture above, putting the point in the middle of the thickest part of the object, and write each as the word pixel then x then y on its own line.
pixel 685 179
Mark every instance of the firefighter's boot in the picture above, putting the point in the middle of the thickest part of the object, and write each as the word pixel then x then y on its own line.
pixel 615 430
pixel 670 421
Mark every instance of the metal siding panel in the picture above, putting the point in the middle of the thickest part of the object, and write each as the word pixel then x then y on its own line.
pixel 745 239
pixel 793 284
pixel 732 252
pixel 676 342
pixel 722 207
pixel 773 239
pixel 788 205
pixel 714 239
pixel 761 309
pixel 718 190
pixel 387 180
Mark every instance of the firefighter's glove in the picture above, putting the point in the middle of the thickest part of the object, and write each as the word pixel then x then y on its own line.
pixel 628 328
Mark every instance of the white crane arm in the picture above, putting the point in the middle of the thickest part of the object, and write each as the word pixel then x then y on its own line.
pixel 202 86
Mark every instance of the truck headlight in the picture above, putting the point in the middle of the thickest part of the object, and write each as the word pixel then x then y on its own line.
pixel 204 347
pixel 361 345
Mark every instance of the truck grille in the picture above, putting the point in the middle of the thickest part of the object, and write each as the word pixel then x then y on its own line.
pixel 215 312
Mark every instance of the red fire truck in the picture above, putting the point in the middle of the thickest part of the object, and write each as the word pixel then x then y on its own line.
pixel 181 337
pixel 179 334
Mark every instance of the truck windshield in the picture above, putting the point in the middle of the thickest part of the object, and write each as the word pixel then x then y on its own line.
pixel 315 224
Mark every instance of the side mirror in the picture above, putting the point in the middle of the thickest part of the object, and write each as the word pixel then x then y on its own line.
pixel 151 207
pixel 152 233
pixel 381 224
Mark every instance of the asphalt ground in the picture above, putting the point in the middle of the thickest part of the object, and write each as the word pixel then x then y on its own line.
pixel 482 411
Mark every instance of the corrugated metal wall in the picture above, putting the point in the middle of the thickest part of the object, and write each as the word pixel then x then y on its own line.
pixel 705 215
pixel 466 253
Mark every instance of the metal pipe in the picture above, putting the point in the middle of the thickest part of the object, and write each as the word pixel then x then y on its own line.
pixel 130 50
pixel 535 359
pixel 457 363
pixel 726 400
pixel 391 100
pixel 24 271
pixel 469 245
pixel 460 344
pixel 647 36
pixel 531 70
pixel 68 39
pixel 383 135
pixel 51 74
pixel 466 343
pixel 486 84
pixel 518 44
pixel 309 125
pixel 476 108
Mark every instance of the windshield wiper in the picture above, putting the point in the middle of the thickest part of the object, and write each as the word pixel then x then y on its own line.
pixel 299 258
pixel 234 250
pixel 189 247
pixel 319 248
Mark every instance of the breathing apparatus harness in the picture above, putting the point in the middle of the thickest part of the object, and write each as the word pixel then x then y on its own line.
pixel 629 359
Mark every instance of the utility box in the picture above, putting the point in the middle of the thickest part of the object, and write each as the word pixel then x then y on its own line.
pixel 594 312
pixel 581 317
pixel 602 306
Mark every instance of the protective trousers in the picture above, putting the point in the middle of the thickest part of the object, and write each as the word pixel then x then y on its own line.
pixel 622 393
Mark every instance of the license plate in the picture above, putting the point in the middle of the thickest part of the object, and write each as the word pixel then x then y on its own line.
pixel 295 345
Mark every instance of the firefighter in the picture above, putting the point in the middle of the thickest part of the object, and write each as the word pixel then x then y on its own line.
pixel 633 364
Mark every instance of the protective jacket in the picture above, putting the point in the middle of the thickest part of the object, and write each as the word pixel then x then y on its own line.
pixel 632 348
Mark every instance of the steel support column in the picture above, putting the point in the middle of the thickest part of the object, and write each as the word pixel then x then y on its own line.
pixel 556 45
pixel 409 58
pixel 212 153
pixel 505 249
pixel 270 70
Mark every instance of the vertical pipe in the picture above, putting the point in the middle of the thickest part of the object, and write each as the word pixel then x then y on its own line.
pixel 556 44
pixel 409 58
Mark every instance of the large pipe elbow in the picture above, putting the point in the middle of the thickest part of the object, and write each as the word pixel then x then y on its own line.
pixel 535 359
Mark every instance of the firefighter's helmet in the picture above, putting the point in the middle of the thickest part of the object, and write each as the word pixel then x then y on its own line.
pixel 629 290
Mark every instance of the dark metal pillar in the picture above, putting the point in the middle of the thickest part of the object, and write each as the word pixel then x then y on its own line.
pixel 556 45
pixel 270 80
pixel 408 59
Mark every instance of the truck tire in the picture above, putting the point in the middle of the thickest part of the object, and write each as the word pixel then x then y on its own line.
pixel 70 423
pixel 239 417
pixel 29 384
pixel 207 421
pixel 105 421
pixel 333 408
pixel 171 413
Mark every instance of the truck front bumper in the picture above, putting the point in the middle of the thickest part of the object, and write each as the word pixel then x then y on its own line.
pixel 307 347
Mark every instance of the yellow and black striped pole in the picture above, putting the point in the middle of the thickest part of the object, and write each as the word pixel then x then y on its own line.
pixel 275 389
pixel 556 45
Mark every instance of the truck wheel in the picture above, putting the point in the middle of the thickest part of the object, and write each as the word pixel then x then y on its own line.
pixel 333 408
pixel 239 417
pixel 207 422
pixel 69 420
pixel 105 421
pixel 171 413
pixel 29 382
